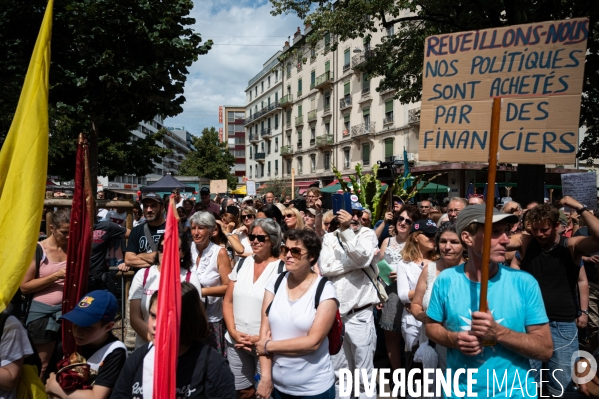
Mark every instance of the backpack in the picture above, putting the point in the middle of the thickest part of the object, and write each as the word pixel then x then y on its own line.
pixel 280 270
pixel 30 385
pixel 337 332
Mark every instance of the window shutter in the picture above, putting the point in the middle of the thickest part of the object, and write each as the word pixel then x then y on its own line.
pixel 366 111
pixel 327 66
pixel 389 106
pixel 346 89
pixel 346 118
pixel 388 148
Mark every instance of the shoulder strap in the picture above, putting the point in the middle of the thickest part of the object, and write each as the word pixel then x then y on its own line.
pixel 281 266
pixel 277 285
pixel 432 269
pixel 319 289
pixel 39 255
pixel 188 276
pixel 149 237
pixel 146 274
pixel 240 263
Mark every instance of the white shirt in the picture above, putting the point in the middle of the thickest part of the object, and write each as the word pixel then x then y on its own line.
pixel 249 295
pixel 208 274
pixel 144 292
pixel 309 374
pixel 407 279
pixel 14 346
pixel 343 256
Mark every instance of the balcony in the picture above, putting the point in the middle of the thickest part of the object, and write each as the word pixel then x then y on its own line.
pixel 260 156
pixel 323 81
pixel 299 120
pixel 344 103
pixel 312 116
pixel 299 144
pixel 312 142
pixel 254 138
pixel 366 91
pixel 414 116
pixel 363 129
pixel 346 66
pixel 388 119
pixel 263 112
pixel 286 101
pixel 266 133
pixel 326 140
pixel 286 150
pixel 358 60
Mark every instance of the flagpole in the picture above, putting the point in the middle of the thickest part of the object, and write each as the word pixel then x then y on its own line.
pixel 490 202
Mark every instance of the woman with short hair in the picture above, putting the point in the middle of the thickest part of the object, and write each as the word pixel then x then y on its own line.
pixel 211 263
pixel 242 304
pixel 293 345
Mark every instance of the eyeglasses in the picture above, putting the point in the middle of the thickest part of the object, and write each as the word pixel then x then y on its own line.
pixel 247 216
pixel 296 252
pixel 402 219
pixel 260 237
pixel 288 215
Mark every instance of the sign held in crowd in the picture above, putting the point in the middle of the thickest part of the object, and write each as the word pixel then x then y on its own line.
pixel 582 186
pixel 538 71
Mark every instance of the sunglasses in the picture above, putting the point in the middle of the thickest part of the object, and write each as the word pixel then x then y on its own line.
pixel 249 202
pixel 358 213
pixel 288 215
pixel 296 252
pixel 407 221
pixel 247 216
pixel 260 237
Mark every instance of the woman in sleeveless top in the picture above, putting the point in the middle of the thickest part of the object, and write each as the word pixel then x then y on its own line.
pixel 46 284
pixel 213 266
pixel 452 254
pixel 393 308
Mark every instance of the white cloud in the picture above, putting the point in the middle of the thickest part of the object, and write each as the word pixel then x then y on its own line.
pixel 221 76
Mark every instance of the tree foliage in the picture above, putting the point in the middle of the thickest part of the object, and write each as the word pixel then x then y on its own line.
pixel 278 187
pixel 114 64
pixel 211 159
pixel 399 58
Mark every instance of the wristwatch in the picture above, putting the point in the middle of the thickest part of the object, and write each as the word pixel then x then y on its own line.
pixel 584 208
pixel 585 311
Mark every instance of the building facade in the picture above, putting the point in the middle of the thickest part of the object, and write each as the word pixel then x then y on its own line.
pixel 234 134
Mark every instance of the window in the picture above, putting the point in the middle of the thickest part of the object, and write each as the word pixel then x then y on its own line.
pixel 262 87
pixel 365 83
pixel 262 104
pixel 239 140
pixel 262 126
pixel 288 69
pixel 256 91
pixel 239 128
pixel 288 139
pixel 327 41
pixel 299 139
pixel 276 167
pixel 289 166
pixel 388 149
pixel 327 161
pixel 346 158
pixel 276 97
pixel 312 53
pixel 390 31
pixel 312 163
pixel 231 116
pixel 268 124
pixel 276 75
pixel 276 121
pixel 288 117
pixel 346 60
pixel 366 114
pixel 366 154
pixel 268 147
pixel 289 89
pixel 346 89
pixel 262 170
pixel 268 168
pixel 388 111
pixel 276 144
pixel 327 66
pixel 327 101
pixel 268 79
pixel 250 153
pixel 312 78
pixel 262 146
pixel 366 44
pixel 327 128
pixel 346 124
pixel 299 110
pixel 299 165
pixel 250 169
pixel 299 87
pixel 313 134
pixel 231 130
pixel 250 97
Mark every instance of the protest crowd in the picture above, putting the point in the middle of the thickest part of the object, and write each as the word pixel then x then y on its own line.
pixel 279 295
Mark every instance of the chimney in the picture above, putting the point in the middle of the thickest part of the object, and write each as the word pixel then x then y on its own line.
pixel 286 43
pixel 307 25
pixel 297 33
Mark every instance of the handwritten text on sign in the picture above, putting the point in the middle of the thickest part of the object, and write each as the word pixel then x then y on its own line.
pixel 537 68
pixel 582 187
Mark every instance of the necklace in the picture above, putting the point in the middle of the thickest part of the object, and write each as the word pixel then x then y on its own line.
pixel 306 290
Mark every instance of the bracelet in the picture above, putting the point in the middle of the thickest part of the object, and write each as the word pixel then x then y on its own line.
pixel 266 343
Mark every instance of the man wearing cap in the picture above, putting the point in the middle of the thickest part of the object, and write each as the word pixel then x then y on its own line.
pixel 346 258
pixel 93 319
pixel 205 198
pixel 246 202
pixel 514 329
pixel 555 262
pixel 145 237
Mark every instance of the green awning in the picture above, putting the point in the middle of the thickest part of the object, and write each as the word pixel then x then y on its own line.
pixel 432 188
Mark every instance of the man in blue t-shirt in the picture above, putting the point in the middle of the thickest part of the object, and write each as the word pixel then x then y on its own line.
pixel 514 329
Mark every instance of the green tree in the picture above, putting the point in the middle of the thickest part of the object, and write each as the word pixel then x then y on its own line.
pixel 211 159
pixel 278 187
pixel 114 64
pixel 399 58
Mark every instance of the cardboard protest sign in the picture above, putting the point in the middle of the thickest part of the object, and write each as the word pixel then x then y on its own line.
pixel 582 187
pixel 218 186
pixel 538 71
pixel 250 186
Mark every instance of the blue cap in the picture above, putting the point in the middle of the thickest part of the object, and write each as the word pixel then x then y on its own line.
pixel 96 306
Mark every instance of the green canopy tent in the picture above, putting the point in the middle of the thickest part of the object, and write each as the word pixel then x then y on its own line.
pixel 432 188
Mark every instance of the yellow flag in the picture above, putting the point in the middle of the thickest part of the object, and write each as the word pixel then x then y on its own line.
pixel 23 169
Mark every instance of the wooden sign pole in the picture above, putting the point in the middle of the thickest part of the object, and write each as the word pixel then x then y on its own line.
pixel 292 183
pixel 490 201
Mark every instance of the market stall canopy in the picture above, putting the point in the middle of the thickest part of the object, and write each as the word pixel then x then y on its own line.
pixel 167 183
pixel 432 188
pixel 240 191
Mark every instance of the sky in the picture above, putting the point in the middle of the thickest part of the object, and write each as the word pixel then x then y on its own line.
pixel 245 35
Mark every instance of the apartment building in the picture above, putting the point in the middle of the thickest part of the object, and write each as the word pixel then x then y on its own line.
pixel 264 122
pixel 234 134
pixel 177 139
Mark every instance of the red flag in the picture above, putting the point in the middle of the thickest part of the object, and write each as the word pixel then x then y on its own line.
pixel 80 243
pixel 168 312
